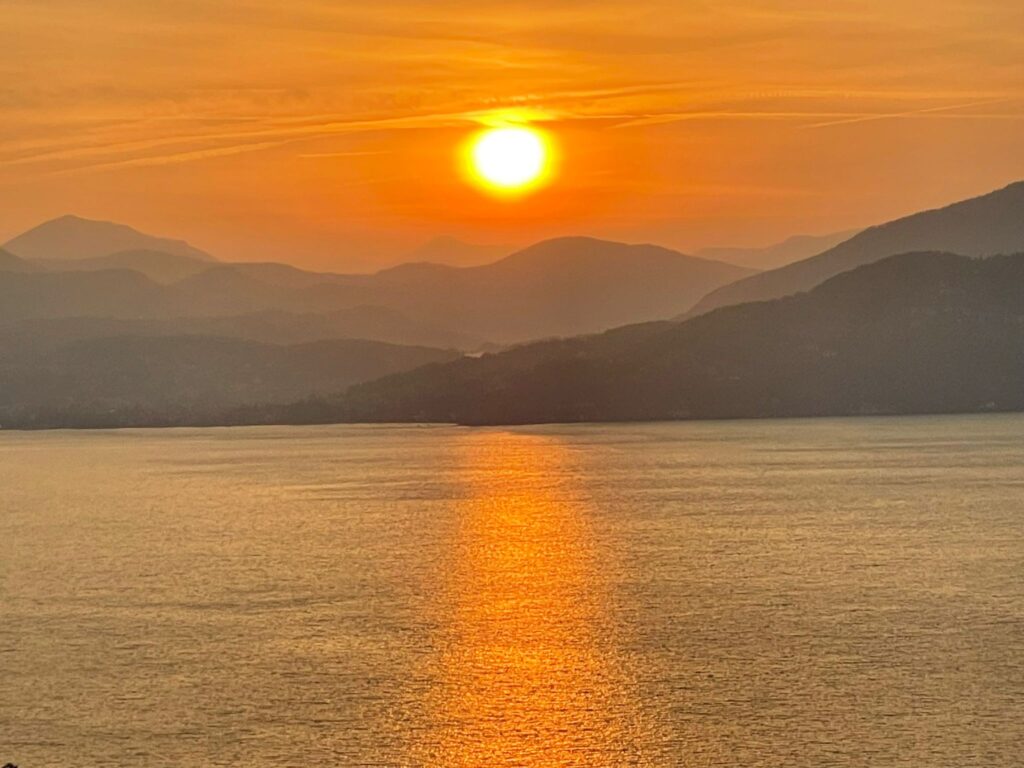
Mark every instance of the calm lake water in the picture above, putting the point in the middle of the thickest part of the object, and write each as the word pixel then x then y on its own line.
pixel 778 593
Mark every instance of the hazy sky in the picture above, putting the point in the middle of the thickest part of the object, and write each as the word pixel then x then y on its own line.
pixel 326 132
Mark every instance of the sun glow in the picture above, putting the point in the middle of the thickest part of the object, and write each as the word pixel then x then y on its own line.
pixel 510 160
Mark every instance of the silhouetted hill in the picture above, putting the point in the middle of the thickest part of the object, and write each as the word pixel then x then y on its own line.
pixel 228 301
pixel 774 256
pixel 227 290
pixel 156 265
pixel 170 380
pixel 555 288
pixel 560 287
pixel 917 333
pixel 72 237
pixel 981 226
pixel 271 273
pixel 106 293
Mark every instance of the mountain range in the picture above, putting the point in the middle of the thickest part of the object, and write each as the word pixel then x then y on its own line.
pixel 558 287
pixel 903 317
pixel 98 326
pixel 982 226
pixel 915 333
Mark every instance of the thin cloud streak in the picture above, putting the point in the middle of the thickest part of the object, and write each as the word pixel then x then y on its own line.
pixel 277 134
pixel 931 111
pixel 321 155
pixel 169 159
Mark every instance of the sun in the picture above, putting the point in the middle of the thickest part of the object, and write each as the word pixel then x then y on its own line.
pixel 510 160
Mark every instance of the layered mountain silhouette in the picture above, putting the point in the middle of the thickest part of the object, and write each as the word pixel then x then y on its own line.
pixel 556 288
pixel 105 293
pixel 115 381
pixel 94 334
pixel 916 333
pixel 982 226
pixel 107 335
pixel 773 256
pixel 72 237
pixel 158 266
pixel 271 326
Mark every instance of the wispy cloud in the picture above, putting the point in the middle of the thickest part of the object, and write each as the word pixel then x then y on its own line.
pixel 321 155
pixel 945 111
pixel 168 159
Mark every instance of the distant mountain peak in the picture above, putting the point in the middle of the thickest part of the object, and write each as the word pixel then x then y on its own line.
pixel 72 237
pixel 451 251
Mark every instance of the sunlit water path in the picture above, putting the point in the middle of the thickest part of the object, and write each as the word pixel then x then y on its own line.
pixel 795 593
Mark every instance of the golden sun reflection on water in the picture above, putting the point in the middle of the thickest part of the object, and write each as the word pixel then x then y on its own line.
pixel 529 668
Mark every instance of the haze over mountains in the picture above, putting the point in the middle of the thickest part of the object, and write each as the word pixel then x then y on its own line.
pixel 982 226
pixel 274 327
pixel 916 333
pixel 773 256
pixel 158 266
pixel 120 332
pixel 115 381
pixel 121 336
pixel 73 237
pixel 558 287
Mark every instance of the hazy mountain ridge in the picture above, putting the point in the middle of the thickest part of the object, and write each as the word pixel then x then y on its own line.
pixel 274 327
pixel 916 333
pixel 158 266
pixel 145 337
pixel 773 256
pixel 214 342
pixel 166 380
pixel 74 237
pixel 558 287
pixel 104 293
pixel 224 301
pixel 981 226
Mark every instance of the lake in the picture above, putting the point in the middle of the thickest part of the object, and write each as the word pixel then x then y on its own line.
pixel 835 592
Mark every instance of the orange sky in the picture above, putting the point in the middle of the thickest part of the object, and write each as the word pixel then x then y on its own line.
pixel 325 133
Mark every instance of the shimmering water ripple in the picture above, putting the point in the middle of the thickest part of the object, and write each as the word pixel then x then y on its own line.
pixel 798 593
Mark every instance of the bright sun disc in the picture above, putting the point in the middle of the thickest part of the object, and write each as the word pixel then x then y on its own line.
pixel 509 159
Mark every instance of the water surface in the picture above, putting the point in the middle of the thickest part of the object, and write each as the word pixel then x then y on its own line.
pixel 777 593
